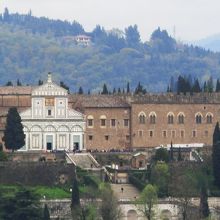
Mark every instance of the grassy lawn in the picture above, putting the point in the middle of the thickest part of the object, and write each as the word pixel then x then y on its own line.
pixel 41 191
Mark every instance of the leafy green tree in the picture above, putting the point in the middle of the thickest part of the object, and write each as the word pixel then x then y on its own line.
pixel 147 201
pixel 14 137
pixel 216 155
pixel 109 208
pixel 132 36
pixel 161 154
pixel 24 205
pixel 46 214
pixel 160 178
pixel 204 206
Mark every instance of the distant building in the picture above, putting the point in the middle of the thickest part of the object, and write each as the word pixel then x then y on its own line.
pixel 50 124
pixel 83 40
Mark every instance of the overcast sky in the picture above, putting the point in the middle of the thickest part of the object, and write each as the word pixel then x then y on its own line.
pixel 193 19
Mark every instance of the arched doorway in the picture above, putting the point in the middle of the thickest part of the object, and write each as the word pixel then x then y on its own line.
pixel 166 215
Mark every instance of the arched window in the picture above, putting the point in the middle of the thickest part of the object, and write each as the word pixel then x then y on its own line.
pixel 170 118
pixel 152 117
pixel 198 118
pixel 181 118
pixel 103 121
pixel 90 121
pixel 142 118
pixel 209 117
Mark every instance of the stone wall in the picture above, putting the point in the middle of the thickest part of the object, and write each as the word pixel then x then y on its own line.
pixel 36 173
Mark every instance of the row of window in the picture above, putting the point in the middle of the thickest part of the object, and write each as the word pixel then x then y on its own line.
pixel 170 118
pixel 107 137
pixel 172 133
pixel 103 122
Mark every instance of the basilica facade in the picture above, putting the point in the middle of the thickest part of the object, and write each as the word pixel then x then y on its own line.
pixel 49 124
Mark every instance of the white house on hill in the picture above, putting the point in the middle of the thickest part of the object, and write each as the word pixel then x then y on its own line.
pixel 50 124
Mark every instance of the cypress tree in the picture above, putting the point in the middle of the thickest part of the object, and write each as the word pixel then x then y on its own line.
pixel 80 92
pixel 128 87
pixel 104 90
pixel 217 86
pixel 75 200
pixel 40 82
pixel 196 87
pixel 14 134
pixel 216 155
pixel 114 91
pixel 119 90
pixel 171 151
pixel 204 207
pixel 179 155
pixel 18 83
pixel 46 214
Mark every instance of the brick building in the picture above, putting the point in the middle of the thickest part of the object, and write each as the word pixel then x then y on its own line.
pixel 125 122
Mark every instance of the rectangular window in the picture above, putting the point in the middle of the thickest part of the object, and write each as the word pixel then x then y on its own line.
pixel 206 133
pixel 127 137
pixel 90 122
pixel 126 122
pixel 103 122
pixel 49 101
pixel 164 134
pixel 173 134
pixel 90 137
pixel 113 122
pixel 106 137
pixel 151 133
pixel 194 134
pixel 140 133
pixel 182 133
pixel 49 112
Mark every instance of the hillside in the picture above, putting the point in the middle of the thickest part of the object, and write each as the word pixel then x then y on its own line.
pixel 210 43
pixel 30 47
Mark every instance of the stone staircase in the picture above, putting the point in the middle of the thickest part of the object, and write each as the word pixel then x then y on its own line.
pixel 82 160
pixel 129 193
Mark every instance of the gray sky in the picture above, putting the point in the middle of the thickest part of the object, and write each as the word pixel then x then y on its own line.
pixel 193 19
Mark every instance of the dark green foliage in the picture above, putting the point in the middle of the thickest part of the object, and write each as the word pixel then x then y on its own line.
pixel 179 158
pixel 132 36
pixel 80 92
pixel 204 207
pixel 75 200
pixel 9 83
pixel 18 83
pixel 216 155
pixel 136 182
pixel 40 82
pixel 46 214
pixel 13 134
pixel 24 205
pixel 128 88
pixel 161 155
pixel 104 90
pixel 217 86
pixel 171 152
pixel 31 45
pixel 196 87
pixel 140 89
pixel 62 84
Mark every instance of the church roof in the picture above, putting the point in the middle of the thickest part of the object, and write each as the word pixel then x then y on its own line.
pixel 49 89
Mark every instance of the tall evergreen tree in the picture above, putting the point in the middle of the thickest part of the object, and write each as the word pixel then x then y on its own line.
pixel 128 88
pixel 216 155
pixel 171 151
pixel 132 36
pixel 75 200
pixel 9 83
pixel 204 206
pixel 196 87
pixel 40 82
pixel 80 92
pixel 13 134
pixel 217 86
pixel 104 90
pixel 179 155
pixel 18 83
pixel 46 214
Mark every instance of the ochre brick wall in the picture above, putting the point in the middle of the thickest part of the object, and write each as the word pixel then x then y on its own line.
pixel 118 136
pixel 203 131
